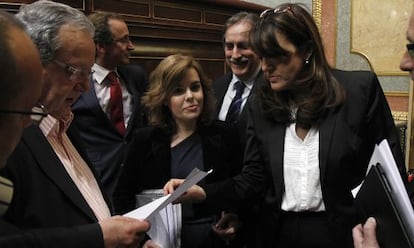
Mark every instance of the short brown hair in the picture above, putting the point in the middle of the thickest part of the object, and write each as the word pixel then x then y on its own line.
pixel 103 34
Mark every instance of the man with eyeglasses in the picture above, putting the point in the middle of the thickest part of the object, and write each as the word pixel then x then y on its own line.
pixel 365 235
pixel 17 97
pixel 54 185
pixel 108 113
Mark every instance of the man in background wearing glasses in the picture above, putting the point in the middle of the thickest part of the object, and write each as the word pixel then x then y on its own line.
pixel 54 186
pixel 106 121
pixel 17 95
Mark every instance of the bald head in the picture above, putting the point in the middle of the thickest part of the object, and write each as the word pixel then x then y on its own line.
pixel 20 81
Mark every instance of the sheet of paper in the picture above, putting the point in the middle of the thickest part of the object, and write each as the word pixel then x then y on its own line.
pixel 146 211
pixel 165 224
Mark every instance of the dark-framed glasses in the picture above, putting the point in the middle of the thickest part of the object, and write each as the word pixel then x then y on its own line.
pixel 36 115
pixel 410 49
pixel 276 11
pixel 74 74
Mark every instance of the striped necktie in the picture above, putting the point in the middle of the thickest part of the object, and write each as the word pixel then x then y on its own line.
pixel 235 105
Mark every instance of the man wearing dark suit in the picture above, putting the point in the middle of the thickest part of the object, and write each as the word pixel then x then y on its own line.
pixel 15 113
pixel 245 70
pixel 105 142
pixel 364 236
pixel 53 185
pixel 244 65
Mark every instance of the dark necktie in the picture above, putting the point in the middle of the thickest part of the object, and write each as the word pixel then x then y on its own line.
pixel 116 111
pixel 235 105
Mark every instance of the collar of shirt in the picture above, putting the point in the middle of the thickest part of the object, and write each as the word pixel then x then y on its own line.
pixel 232 86
pixel 54 127
pixel 248 83
pixel 100 73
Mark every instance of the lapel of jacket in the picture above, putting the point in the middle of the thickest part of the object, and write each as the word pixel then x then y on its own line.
pixel 50 164
pixel 162 152
pixel 259 78
pixel 220 89
pixel 276 139
pixel 211 147
pixel 90 102
pixel 135 99
pixel 326 130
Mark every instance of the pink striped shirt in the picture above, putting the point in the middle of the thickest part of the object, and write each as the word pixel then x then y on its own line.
pixel 76 167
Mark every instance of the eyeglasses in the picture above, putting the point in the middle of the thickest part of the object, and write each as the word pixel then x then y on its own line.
pixel 276 11
pixel 123 40
pixel 410 49
pixel 74 74
pixel 36 115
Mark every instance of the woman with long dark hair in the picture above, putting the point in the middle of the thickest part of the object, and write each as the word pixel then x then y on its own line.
pixel 310 135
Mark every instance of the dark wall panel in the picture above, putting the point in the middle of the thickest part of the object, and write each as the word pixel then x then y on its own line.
pixel 159 28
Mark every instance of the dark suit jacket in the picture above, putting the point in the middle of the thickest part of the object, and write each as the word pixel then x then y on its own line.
pixel 104 145
pixel 148 162
pixel 84 236
pixel 44 194
pixel 348 134
pixel 220 87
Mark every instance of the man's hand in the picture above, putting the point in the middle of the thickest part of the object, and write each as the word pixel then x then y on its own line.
pixel 195 193
pixel 365 236
pixel 227 227
pixel 150 244
pixel 119 231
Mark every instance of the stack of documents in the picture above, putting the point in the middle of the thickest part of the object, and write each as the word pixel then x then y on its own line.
pixel 165 218
pixel 383 195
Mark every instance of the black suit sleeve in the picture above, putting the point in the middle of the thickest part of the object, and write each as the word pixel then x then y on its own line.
pixel 85 236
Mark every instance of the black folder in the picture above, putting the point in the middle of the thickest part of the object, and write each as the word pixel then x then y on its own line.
pixel 374 200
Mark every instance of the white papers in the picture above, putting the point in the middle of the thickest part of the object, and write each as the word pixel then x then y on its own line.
pixel 165 224
pixel 146 211
pixel 164 217
pixel 382 155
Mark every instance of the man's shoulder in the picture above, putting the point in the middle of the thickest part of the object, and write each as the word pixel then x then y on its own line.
pixel 130 68
pixel 223 78
pixel 363 76
pixel 221 83
pixel 134 76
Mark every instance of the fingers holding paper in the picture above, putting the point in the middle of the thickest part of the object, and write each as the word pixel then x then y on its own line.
pixel 195 193
pixel 150 244
pixel 364 236
pixel 119 231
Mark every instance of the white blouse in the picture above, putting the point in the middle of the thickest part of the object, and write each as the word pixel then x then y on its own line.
pixel 301 172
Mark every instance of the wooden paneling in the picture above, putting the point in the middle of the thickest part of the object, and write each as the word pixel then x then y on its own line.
pixel 130 8
pixel 159 28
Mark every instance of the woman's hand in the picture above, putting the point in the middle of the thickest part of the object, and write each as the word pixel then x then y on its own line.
pixel 195 193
